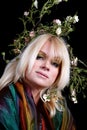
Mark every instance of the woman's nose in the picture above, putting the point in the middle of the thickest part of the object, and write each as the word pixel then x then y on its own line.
pixel 46 65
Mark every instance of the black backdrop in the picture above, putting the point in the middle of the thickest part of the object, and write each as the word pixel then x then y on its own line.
pixel 11 10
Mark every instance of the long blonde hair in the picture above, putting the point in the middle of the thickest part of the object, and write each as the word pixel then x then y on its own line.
pixel 16 68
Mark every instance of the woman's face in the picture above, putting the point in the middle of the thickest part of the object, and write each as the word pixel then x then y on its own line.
pixel 45 69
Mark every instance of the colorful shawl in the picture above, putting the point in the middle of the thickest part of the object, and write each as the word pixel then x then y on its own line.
pixel 19 112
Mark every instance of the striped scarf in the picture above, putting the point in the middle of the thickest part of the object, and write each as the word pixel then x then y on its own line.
pixel 19 112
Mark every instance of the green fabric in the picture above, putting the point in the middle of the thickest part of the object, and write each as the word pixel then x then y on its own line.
pixel 8 113
pixel 57 120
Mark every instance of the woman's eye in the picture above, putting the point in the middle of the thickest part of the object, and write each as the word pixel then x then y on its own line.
pixel 39 57
pixel 55 64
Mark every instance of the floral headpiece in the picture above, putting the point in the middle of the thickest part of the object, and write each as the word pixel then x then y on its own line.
pixel 34 25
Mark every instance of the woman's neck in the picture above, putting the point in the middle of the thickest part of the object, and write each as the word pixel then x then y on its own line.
pixel 36 95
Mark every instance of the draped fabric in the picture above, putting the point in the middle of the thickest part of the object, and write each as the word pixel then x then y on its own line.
pixel 19 112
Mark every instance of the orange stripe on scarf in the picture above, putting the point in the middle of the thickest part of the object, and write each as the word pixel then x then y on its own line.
pixel 25 115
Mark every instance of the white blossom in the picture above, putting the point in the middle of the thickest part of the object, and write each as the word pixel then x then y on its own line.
pixel 76 19
pixel 46 97
pixel 57 1
pixel 68 18
pixel 36 4
pixel 58 31
pixel 57 21
pixel 73 96
pixel 26 13
pixel 74 100
pixel 74 62
pixel 32 34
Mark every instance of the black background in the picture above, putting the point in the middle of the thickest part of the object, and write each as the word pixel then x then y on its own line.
pixel 11 10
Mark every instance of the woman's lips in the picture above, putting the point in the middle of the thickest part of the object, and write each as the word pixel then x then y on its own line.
pixel 42 74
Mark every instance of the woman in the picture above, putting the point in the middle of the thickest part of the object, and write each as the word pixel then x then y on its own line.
pixel 31 85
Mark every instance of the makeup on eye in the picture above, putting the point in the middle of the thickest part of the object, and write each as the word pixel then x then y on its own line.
pixel 41 55
pixel 54 61
pixel 55 64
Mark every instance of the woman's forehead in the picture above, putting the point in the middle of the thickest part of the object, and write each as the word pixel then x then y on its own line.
pixel 51 49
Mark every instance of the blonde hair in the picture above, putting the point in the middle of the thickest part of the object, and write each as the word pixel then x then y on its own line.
pixel 16 68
